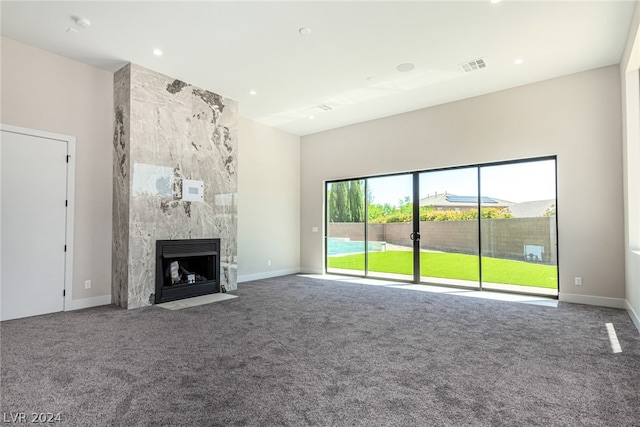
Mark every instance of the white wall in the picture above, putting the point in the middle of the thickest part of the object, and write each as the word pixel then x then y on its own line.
pixel 631 114
pixel 576 117
pixel 268 201
pixel 47 92
pixel 50 93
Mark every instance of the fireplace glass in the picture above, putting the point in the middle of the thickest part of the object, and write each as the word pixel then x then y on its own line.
pixel 186 268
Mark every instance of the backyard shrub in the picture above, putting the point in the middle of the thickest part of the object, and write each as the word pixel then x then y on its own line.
pixel 427 213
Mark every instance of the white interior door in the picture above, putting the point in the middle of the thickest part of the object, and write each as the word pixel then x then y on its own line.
pixel 33 224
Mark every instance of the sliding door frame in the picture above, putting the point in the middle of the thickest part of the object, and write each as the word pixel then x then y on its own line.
pixel 416 221
pixel 416 227
pixel 478 180
pixel 514 162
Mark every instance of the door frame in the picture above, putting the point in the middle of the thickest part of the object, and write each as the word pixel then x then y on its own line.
pixel 416 221
pixel 70 189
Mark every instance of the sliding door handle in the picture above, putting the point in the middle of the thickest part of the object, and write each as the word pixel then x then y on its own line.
pixel 415 236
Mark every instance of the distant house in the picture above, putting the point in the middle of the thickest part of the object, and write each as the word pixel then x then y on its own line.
pixel 534 208
pixel 447 201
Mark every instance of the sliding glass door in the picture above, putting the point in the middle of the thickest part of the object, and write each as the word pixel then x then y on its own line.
pixel 519 251
pixel 487 226
pixel 345 231
pixel 390 225
pixel 449 250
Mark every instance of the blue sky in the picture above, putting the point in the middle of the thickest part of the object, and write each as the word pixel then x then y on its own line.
pixel 516 182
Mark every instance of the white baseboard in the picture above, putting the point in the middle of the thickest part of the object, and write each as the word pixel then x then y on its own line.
pixel 267 274
pixel 593 300
pixel 310 270
pixel 78 304
pixel 634 316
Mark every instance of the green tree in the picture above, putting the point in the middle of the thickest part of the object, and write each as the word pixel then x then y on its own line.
pixel 376 211
pixel 331 201
pixel 356 201
pixel 551 210
pixel 342 212
pixel 406 205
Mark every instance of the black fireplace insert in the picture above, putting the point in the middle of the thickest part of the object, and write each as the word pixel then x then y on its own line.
pixel 186 268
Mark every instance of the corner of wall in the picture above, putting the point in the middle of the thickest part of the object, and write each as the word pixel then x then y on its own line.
pixel 268 201
pixel 635 318
pixel 630 80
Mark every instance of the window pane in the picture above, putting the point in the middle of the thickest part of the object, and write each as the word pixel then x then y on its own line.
pixel 519 250
pixel 449 227
pixel 345 227
pixel 390 213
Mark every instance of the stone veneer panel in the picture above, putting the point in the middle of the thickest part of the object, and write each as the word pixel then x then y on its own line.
pixel 167 131
pixel 121 193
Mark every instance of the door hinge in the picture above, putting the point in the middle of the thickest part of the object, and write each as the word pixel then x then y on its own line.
pixel 64 292
pixel 68 155
pixel 65 248
pixel 66 203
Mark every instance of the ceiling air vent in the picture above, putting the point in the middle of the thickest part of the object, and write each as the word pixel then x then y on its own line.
pixel 473 65
pixel 324 107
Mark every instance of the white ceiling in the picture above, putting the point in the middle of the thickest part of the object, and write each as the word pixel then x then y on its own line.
pixel 349 60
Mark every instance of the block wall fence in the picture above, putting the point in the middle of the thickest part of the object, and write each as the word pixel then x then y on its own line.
pixel 501 238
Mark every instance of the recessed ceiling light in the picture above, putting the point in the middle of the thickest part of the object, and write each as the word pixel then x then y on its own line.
pixel 157 52
pixel 518 61
pixel 252 92
pixel 305 31
pixel 407 66
pixel 311 117
pixel 495 1
pixel 81 22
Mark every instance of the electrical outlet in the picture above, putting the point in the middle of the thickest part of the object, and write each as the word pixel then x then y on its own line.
pixel 578 281
pixel 269 263
pixel 314 229
pixel 87 284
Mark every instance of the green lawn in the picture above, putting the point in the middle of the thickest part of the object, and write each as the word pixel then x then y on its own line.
pixel 453 266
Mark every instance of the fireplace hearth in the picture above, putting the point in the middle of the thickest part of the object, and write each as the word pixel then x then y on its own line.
pixel 186 268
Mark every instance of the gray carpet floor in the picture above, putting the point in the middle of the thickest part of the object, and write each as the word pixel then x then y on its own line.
pixel 301 351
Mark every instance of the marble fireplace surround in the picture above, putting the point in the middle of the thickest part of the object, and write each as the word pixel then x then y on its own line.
pixel 167 131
